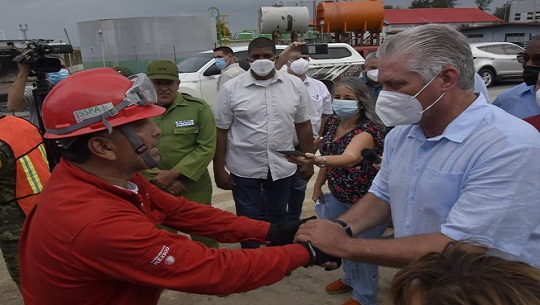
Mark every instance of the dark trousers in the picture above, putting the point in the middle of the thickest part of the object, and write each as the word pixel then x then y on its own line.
pixel 261 199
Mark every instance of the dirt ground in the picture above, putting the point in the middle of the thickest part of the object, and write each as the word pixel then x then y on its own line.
pixel 303 286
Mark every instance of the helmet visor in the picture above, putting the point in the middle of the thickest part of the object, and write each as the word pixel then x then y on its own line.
pixel 142 91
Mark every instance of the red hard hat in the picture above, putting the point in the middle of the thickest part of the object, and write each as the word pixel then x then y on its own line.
pixel 82 102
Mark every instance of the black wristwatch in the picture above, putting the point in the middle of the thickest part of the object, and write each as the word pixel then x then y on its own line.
pixel 345 226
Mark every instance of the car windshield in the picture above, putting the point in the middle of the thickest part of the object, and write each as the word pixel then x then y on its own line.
pixel 194 62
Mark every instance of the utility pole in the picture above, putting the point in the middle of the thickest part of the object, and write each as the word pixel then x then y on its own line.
pixel 218 22
pixel 101 42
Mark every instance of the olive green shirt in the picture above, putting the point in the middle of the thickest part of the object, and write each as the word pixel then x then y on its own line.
pixel 188 143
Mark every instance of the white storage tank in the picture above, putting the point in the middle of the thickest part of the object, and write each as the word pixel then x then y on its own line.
pixel 134 42
pixel 284 19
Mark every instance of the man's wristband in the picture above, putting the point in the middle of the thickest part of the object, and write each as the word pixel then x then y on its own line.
pixel 345 226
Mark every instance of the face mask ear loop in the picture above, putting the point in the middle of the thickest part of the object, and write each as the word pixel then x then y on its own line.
pixel 425 86
pixel 433 104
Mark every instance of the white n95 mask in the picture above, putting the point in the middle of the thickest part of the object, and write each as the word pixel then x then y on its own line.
pixel 262 67
pixel 372 74
pixel 396 108
pixel 300 66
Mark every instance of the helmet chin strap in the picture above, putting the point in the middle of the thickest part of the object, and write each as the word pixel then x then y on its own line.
pixel 141 149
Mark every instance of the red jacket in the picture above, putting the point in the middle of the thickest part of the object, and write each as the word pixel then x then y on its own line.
pixel 89 242
pixel 534 120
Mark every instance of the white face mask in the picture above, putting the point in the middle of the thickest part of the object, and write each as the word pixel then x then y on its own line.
pixel 396 108
pixel 538 97
pixel 372 74
pixel 262 67
pixel 299 66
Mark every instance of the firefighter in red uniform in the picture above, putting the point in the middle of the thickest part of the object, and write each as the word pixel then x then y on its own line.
pixel 23 173
pixel 93 240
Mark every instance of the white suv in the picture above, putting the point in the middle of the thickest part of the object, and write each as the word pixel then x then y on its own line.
pixel 496 60
pixel 198 73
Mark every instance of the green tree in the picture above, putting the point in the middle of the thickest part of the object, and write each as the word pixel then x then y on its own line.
pixel 390 7
pixel 503 12
pixel 444 3
pixel 433 3
pixel 421 4
pixel 483 4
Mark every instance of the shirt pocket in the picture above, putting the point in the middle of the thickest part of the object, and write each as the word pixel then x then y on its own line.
pixel 187 130
pixel 437 193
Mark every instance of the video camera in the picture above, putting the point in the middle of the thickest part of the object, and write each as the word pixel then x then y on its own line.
pixel 42 59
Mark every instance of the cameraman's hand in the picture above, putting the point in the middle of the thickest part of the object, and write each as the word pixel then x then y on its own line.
pixel 319 258
pixel 283 233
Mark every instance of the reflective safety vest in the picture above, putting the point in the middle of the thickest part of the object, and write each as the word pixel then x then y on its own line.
pixel 32 167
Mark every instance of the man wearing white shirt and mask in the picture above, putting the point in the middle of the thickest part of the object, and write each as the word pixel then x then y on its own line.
pixel 455 167
pixel 258 113
pixel 227 63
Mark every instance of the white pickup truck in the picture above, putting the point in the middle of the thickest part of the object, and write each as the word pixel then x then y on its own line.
pixel 198 73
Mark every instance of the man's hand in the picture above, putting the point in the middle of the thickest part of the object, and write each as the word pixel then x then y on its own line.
pixel 306 171
pixel 164 178
pixel 283 233
pixel 327 236
pixel 176 188
pixel 223 179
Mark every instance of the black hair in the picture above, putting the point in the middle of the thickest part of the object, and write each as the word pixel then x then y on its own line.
pixel 262 43
pixel 225 50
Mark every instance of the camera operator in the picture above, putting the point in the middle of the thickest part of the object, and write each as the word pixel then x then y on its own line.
pixel 20 97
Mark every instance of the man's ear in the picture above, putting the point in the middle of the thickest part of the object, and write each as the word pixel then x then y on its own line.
pixel 102 147
pixel 450 77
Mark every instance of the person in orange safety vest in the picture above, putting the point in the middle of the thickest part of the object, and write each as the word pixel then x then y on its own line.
pixel 23 172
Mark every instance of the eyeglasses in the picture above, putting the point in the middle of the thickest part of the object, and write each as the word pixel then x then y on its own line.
pixel 524 58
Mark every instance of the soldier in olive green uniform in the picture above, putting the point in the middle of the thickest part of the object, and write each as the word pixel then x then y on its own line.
pixel 187 143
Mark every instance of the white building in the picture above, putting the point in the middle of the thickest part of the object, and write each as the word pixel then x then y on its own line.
pixel 524 11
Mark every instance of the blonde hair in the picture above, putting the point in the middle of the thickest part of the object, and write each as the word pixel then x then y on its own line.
pixel 459 277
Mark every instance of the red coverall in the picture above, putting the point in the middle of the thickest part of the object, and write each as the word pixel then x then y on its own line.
pixel 89 242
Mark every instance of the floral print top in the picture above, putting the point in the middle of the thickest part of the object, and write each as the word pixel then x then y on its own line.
pixel 350 184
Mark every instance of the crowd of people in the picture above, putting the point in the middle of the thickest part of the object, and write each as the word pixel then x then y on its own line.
pixel 457 180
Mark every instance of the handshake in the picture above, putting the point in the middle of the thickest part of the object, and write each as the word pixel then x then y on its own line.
pixel 283 233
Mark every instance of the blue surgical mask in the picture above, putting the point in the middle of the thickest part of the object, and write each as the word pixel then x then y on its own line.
pixel 345 109
pixel 221 63
pixel 56 77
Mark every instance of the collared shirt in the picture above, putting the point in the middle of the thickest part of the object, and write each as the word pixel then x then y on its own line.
pixel 230 72
pixel 478 181
pixel 188 142
pixel 322 102
pixel 260 120
pixel 519 101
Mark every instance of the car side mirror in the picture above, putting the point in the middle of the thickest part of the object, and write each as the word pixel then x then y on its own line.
pixel 212 70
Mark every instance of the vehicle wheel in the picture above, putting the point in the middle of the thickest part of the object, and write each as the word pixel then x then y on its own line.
pixel 488 76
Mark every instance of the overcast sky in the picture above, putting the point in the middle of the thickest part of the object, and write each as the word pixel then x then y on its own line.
pixel 47 19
